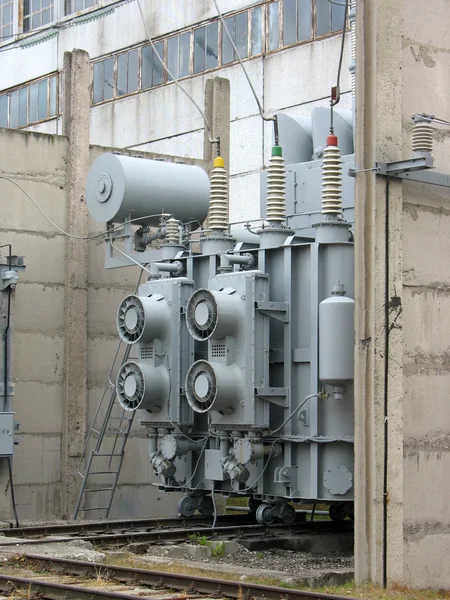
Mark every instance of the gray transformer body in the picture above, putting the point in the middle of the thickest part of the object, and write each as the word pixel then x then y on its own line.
pixel 244 370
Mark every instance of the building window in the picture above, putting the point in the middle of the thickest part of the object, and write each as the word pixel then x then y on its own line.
pixel 151 67
pixel 329 17
pixel 127 73
pixel 178 55
pixel 103 80
pixel 256 36
pixel 297 21
pixel 37 13
pixel 206 47
pixel 6 19
pixel 73 6
pixel 237 27
pixel 29 104
pixel 273 26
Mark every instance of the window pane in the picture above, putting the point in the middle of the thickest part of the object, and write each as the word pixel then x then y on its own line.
pixel 35 5
pixel 132 71
pixel 26 24
pixel 185 52
pixel 22 107
pixel 256 31
pixel 4 110
pixel 42 99
pixel 36 21
pixel 304 20
pixel 289 22
pixel 242 34
pixel 227 48
pixel 13 109
pixel 33 103
pixel 212 45
pixel 274 26
pixel 146 67
pixel 199 50
pixel 79 5
pixel 322 17
pixel 97 91
pixel 158 69
pixel 172 56
pixel 122 66
pixel 337 16
pixel 52 112
pixel 108 81
pixel 46 16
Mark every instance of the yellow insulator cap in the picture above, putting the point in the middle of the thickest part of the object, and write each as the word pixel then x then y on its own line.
pixel 219 162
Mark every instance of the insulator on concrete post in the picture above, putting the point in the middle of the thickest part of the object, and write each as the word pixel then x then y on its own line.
pixel 422 136
pixel 332 178
pixel 218 197
pixel 276 188
pixel 172 232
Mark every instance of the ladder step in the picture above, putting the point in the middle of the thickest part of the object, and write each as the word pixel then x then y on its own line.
pixel 107 455
pixel 102 473
pixel 108 489
pixel 94 508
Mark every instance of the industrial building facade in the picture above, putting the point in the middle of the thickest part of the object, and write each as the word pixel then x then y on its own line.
pixel 291 51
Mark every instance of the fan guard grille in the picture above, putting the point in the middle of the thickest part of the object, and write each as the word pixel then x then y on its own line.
pixel 131 319
pixel 201 386
pixel 130 386
pixel 201 314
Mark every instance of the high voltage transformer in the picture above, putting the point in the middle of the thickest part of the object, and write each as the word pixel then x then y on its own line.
pixel 243 350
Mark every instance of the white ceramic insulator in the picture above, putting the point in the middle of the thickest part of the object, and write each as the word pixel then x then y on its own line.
pixel 276 190
pixel 218 200
pixel 172 232
pixel 422 137
pixel 331 181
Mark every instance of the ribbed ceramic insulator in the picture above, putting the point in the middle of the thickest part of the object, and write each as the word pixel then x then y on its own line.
pixel 218 200
pixel 276 190
pixel 422 137
pixel 331 181
pixel 172 232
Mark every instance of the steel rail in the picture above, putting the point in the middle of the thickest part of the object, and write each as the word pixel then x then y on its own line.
pixel 122 525
pixel 180 535
pixel 177 581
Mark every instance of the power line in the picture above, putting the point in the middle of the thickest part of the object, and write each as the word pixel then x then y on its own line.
pixel 80 237
pixel 166 68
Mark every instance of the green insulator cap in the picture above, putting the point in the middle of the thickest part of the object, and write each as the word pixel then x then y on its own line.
pixel 277 151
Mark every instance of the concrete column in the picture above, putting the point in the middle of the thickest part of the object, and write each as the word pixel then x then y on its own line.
pixel 217 111
pixel 76 127
pixel 378 294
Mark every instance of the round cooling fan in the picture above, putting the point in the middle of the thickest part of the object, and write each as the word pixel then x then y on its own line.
pixel 131 319
pixel 130 386
pixel 201 386
pixel 202 314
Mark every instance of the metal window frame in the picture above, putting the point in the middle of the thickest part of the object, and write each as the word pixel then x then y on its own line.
pixel 54 4
pixel 3 3
pixel 27 87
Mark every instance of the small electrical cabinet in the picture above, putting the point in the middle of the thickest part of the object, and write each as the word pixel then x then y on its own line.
pixel 6 434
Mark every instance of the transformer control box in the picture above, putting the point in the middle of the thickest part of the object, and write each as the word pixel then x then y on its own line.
pixel 6 434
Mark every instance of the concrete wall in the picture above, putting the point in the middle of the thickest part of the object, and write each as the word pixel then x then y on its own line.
pixel 40 164
pixel 402 304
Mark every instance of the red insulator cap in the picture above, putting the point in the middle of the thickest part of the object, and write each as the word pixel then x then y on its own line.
pixel 332 140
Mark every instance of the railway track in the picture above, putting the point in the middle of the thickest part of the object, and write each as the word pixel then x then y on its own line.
pixel 158 583
pixel 156 536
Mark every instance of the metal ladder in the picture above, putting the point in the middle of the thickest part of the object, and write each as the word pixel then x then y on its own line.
pixel 104 463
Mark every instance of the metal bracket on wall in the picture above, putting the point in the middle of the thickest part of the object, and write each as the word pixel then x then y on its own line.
pixel 415 169
pixel 276 395
pixel 276 310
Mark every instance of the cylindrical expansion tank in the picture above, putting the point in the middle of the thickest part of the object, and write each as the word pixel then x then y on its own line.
pixel 122 186
pixel 336 333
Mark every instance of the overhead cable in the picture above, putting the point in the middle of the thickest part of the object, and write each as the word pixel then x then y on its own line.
pixel 71 235
pixel 166 68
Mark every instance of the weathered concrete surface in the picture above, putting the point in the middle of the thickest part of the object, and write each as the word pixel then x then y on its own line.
pixel 407 326
pixel 76 127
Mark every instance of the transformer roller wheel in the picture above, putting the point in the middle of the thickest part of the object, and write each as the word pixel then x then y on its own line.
pixel 264 516
pixel 350 511
pixel 254 504
pixel 186 506
pixel 206 506
pixel 288 515
pixel 337 512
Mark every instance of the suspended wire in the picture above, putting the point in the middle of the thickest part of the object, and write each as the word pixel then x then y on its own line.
pixel 80 237
pixel 130 258
pixel 433 119
pixel 294 412
pixel 166 68
pixel 260 108
pixel 335 92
